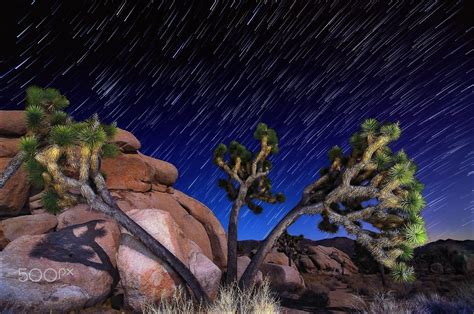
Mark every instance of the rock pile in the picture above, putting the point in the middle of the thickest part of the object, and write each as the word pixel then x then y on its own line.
pixel 75 259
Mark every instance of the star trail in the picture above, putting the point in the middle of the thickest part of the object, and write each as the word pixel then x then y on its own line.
pixel 184 77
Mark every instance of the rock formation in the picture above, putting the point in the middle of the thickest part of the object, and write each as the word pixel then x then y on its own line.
pixel 90 246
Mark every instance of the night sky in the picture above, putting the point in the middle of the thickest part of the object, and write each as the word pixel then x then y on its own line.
pixel 184 77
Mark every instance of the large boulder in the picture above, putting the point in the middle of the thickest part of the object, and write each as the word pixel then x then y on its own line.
pixel 206 272
pixel 128 172
pixel 146 278
pixel 331 260
pixel 242 264
pixel 275 257
pixel 12 123
pixel 9 147
pixel 212 225
pixel 126 141
pixel 13 228
pixel 283 279
pixel 198 224
pixel 164 172
pixel 60 271
pixel 14 194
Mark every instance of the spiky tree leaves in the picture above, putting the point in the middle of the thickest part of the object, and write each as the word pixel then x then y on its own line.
pixel 49 125
pixel 334 153
pixel 34 116
pixel 51 201
pixel 246 183
pixel 401 272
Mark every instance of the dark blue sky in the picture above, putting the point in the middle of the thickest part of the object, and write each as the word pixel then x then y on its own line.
pixel 185 77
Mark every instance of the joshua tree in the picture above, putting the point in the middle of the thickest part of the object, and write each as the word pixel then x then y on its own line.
pixel 369 184
pixel 246 182
pixel 288 244
pixel 63 156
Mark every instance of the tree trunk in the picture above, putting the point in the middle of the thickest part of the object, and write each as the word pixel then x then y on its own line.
pixel 11 168
pixel 252 269
pixel 290 256
pixel 382 274
pixel 232 237
pixel 110 208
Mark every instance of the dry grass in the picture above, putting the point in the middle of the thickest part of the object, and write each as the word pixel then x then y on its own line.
pixel 230 300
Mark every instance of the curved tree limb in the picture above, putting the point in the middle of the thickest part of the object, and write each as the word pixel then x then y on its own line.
pixel 247 277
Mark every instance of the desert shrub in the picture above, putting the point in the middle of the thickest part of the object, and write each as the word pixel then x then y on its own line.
pixel 229 300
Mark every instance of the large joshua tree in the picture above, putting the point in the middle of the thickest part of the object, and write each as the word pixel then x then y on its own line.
pixel 246 183
pixel 370 185
pixel 63 157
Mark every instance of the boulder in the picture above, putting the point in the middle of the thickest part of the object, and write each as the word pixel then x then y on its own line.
pixel 275 257
pixel 306 264
pixel 13 228
pixel 9 147
pixel 14 194
pixel 60 271
pixel 192 228
pixel 206 272
pixel 242 263
pixel 164 172
pixel 283 279
pixel 212 225
pixel 128 172
pixel 137 172
pixel 12 123
pixel 126 141
pixel 144 277
pixel 331 260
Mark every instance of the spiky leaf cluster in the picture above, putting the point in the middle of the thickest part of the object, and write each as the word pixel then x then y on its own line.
pixel 401 272
pixel 50 126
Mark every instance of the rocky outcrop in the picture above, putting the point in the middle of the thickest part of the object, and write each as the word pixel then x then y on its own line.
pixel 13 228
pixel 146 278
pixel 87 241
pixel 329 260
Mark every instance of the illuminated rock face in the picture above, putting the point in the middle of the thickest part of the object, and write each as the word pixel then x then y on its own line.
pixel 146 279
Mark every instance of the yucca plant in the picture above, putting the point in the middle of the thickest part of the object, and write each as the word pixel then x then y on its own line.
pixel 246 183
pixel 369 184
